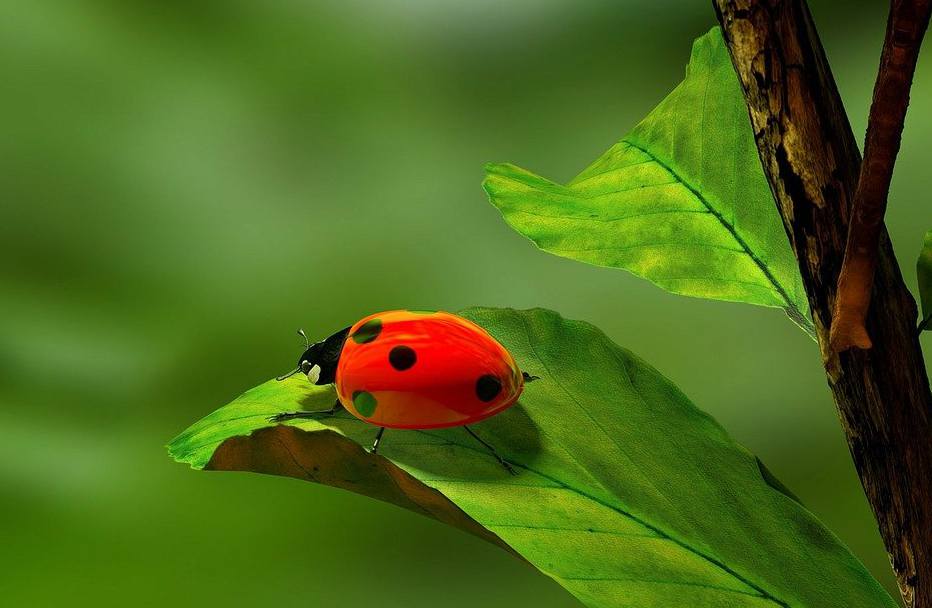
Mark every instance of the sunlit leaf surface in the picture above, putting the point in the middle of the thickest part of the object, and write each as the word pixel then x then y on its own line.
pixel 681 200
pixel 626 493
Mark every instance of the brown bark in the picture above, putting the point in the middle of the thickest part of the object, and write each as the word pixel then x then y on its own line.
pixel 809 155
pixel 906 27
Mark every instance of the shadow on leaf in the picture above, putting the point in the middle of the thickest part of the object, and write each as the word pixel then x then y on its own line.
pixel 329 458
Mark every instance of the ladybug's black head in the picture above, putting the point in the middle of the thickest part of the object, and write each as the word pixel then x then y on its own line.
pixel 319 360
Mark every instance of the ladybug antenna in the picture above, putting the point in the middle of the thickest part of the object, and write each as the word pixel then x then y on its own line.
pixel 289 374
pixel 307 344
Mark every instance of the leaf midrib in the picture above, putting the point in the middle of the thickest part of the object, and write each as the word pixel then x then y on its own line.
pixel 608 220
pixel 569 487
pixel 809 328
pixel 661 534
pixel 763 593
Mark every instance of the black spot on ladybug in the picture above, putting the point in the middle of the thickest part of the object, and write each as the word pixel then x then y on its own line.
pixel 368 331
pixel 364 403
pixel 488 387
pixel 402 357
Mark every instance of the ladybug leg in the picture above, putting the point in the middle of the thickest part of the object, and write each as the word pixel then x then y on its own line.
pixel 529 378
pixel 312 415
pixel 378 438
pixel 503 462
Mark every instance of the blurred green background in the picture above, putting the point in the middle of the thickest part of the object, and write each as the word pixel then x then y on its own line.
pixel 185 183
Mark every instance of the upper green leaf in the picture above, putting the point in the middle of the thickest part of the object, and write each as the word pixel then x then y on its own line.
pixel 627 494
pixel 681 201
pixel 924 273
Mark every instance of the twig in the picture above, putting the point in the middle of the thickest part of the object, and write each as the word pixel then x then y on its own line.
pixel 812 162
pixel 906 26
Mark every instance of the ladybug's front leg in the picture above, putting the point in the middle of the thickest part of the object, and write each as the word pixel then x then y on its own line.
pixel 378 438
pixel 312 415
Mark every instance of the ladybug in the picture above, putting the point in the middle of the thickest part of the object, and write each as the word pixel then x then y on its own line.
pixel 404 369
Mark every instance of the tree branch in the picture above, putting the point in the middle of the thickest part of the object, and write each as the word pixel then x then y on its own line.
pixel 906 27
pixel 811 160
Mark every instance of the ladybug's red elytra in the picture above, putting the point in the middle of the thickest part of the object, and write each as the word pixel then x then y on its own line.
pixel 406 369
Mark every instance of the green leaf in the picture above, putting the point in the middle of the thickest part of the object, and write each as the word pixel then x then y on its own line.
pixel 626 493
pixel 924 273
pixel 681 200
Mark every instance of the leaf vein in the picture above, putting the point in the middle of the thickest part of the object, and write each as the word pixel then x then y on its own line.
pixel 646 245
pixel 661 582
pixel 731 229
pixel 643 522
pixel 575 183
pixel 608 220
pixel 592 531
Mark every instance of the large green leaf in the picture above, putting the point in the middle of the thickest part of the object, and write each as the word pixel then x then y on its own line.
pixel 681 201
pixel 924 274
pixel 626 494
